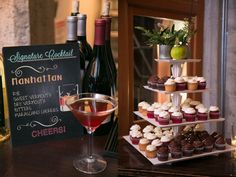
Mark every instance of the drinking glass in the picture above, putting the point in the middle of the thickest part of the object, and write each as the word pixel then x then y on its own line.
pixel 91 109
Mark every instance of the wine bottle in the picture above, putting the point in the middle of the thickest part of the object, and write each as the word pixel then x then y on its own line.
pixel 75 8
pixel 81 33
pixel 108 48
pixel 98 77
pixel 72 38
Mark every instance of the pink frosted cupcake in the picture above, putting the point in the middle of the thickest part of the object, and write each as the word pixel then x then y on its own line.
pixel 150 112
pixel 164 118
pixel 202 114
pixel 177 117
pixel 214 112
pixel 190 114
pixel 135 136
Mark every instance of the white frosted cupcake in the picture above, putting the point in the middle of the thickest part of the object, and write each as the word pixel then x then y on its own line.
pixel 190 114
pixel 165 140
pixel 135 136
pixel 143 143
pixel 135 127
pixel 151 151
pixel 164 118
pixel 170 85
pixel 157 143
pixel 192 84
pixel 214 112
pixel 151 136
pixel 156 105
pixel 148 128
pixel 177 117
pixel 202 113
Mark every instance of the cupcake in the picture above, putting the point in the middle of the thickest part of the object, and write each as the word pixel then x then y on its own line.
pixel 173 109
pixel 163 153
pixel 201 83
pixel 198 146
pixel 192 84
pixel 161 82
pixel 159 134
pixel 140 106
pixel 187 100
pixel 170 85
pixel 157 143
pixel 152 82
pixel 156 105
pixel 220 143
pixel 173 144
pixel 184 107
pixel 150 112
pixel 202 114
pixel 208 144
pixel 135 127
pixel 189 115
pixel 164 118
pixel 178 139
pixel 181 84
pixel 144 109
pixel 193 103
pixel 214 112
pixel 135 136
pixel 188 149
pixel 176 152
pixel 151 136
pixel 148 129
pixel 165 107
pixel 199 106
pixel 143 143
pixel 176 117
pixel 168 104
pixel 157 112
pixel 157 129
pixel 165 140
pixel 151 151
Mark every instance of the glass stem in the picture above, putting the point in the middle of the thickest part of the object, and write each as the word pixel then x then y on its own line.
pixel 90 145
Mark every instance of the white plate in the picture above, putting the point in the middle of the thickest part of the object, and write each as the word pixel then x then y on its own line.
pixel 154 122
pixel 155 161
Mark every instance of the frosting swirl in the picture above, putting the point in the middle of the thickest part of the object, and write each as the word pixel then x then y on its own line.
pixel 213 108
pixel 170 82
pixel 151 148
pixel 190 111
pixel 135 127
pixel 164 115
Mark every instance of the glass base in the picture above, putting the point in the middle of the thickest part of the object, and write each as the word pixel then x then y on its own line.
pixel 90 165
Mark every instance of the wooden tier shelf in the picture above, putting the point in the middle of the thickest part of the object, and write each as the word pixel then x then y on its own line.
pixel 154 122
pixel 181 91
pixel 155 161
pixel 171 61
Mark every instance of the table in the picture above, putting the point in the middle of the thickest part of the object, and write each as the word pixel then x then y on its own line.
pixel 132 163
pixel 50 159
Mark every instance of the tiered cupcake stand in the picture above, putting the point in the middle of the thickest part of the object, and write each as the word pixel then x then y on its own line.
pixel 176 99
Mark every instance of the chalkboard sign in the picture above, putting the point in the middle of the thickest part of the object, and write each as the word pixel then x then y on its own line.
pixel 38 80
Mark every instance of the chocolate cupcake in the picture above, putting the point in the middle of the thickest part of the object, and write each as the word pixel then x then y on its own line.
pixel 176 152
pixel 208 144
pixel 220 143
pixel 152 82
pixel 163 153
pixel 188 149
pixel 173 144
pixel 198 147
pixel 160 83
pixel 178 138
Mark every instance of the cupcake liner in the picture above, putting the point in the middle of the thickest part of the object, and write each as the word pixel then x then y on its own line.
pixel 214 115
pixel 188 152
pixel 162 157
pixel 176 155
pixel 150 114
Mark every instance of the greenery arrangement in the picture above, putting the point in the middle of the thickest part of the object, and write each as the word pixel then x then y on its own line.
pixel 169 35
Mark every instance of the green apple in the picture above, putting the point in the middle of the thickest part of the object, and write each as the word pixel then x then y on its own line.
pixel 178 52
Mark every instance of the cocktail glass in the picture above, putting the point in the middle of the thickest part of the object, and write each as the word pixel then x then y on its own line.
pixel 91 109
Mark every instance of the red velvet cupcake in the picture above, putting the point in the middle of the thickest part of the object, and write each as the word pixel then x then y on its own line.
pixel 181 84
pixel 214 112
pixel 157 112
pixel 150 112
pixel 190 114
pixel 164 118
pixel 135 136
pixel 202 114
pixel 176 117
pixel 173 109
pixel 201 83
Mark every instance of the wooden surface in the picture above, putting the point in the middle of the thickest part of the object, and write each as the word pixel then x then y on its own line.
pixel 50 159
pixel 132 163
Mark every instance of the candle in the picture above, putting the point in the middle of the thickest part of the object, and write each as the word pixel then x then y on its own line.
pixel 233 142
